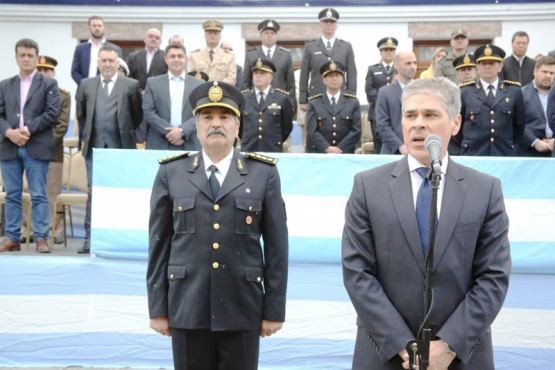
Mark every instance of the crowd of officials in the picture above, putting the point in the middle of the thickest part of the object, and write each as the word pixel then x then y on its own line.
pixel 204 242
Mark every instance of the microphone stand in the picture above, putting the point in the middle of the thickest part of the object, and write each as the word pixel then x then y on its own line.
pixel 419 349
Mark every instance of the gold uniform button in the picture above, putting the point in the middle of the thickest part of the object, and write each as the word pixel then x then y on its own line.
pixel 258 279
pixel 491 112
pixel 215 245
pixel 333 142
pixel 216 226
pixel 492 140
pixel 334 118
pixel 216 207
pixel 260 136
pixel 492 121
pixel 260 120
pixel 171 276
pixel 180 208
pixel 259 128
pixel 334 125
pixel 335 134
pixel 492 130
pixel 215 265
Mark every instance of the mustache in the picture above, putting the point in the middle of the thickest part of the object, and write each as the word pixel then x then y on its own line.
pixel 216 131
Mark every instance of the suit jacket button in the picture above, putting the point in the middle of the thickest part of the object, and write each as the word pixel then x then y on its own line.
pixel 215 265
pixel 215 245
pixel 216 226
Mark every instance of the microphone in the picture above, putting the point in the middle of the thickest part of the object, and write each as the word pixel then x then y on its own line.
pixel 433 146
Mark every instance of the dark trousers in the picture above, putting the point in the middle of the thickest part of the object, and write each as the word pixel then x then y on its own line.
pixel 203 349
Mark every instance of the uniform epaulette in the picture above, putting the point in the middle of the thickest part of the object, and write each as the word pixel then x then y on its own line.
pixel 467 83
pixel 194 51
pixel 63 91
pixel 349 95
pixel 173 158
pixel 284 49
pixel 281 91
pixel 516 83
pixel 261 158
pixel 314 96
pixel 245 91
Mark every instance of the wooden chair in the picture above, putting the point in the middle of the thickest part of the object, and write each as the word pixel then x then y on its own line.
pixel 366 138
pixel 77 190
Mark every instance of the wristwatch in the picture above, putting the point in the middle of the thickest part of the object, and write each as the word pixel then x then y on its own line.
pixel 450 349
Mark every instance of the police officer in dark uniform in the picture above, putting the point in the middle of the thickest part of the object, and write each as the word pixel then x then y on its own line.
pixel 465 65
pixel 333 118
pixel 493 111
pixel 211 285
pixel 322 50
pixel 267 119
pixel 284 76
pixel 379 75
pixel 199 74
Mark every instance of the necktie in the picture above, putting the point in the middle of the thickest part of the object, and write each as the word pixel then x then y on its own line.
pixel 423 208
pixel 269 54
pixel 211 55
pixel 261 99
pixel 333 104
pixel 490 94
pixel 213 181
pixel 328 46
pixel 176 101
pixel 105 88
pixel 387 68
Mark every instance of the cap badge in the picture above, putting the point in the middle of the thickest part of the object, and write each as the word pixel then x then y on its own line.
pixel 42 60
pixel 389 42
pixel 259 64
pixel 328 13
pixel 270 24
pixel 198 75
pixel 215 93
pixel 333 66
pixel 466 60
pixel 487 51
pixel 212 23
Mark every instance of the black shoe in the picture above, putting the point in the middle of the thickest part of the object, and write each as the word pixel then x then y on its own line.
pixel 23 239
pixel 58 240
pixel 85 249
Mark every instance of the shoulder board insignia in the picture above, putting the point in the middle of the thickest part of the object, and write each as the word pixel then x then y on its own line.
pixel 282 91
pixel 245 91
pixel 350 95
pixel 194 51
pixel 516 83
pixel 64 91
pixel 173 158
pixel 284 49
pixel 314 96
pixel 261 158
pixel 467 83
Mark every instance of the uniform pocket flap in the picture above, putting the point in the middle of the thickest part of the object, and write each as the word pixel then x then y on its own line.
pixel 182 204
pixel 253 274
pixel 248 204
pixel 177 272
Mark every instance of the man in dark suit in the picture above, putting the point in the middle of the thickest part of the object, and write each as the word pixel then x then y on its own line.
pixel 217 302
pixel 283 77
pixel 388 111
pixel 145 63
pixel 166 107
pixel 384 252
pixel 86 53
pixel 551 112
pixel 378 76
pixel 267 119
pixel 322 50
pixel 537 140
pixel 518 67
pixel 493 111
pixel 333 119
pixel 29 107
pixel 109 105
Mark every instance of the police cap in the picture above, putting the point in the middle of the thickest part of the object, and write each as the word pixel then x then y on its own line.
pixel 212 25
pixel 459 32
pixel 388 43
pixel 263 65
pixel 268 24
pixel 489 52
pixel 217 94
pixel 332 66
pixel 199 74
pixel 328 14
pixel 47 62
pixel 467 60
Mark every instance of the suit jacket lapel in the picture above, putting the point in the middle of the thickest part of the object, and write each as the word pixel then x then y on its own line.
pixel 481 93
pixel 16 88
pixel 536 100
pixel 327 104
pixel 451 206
pixel 119 89
pixel 233 179
pixel 404 207
pixel 156 59
pixel 37 79
pixel 198 176
pixel 340 104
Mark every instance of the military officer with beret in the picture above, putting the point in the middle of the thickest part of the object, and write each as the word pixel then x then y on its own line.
pixel 322 50
pixel 379 75
pixel 333 118
pixel 217 63
pixel 465 65
pixel 267 119
pixel 493 111
pixel 283 78
pixel 211 285
pixel 459 43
